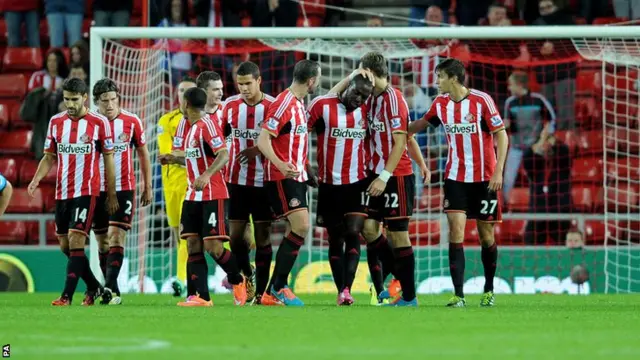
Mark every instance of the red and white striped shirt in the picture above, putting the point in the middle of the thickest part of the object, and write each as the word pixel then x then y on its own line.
pixel 41 78
pixel 245 122
pixel 128 132
pixel 181 133
pixel 78 144
pixel 342 155
pixel 287 123
pixel 469 125
pixel 201 145
pixel 388 115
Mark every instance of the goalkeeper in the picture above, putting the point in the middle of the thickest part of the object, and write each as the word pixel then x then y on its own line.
pixel 174 180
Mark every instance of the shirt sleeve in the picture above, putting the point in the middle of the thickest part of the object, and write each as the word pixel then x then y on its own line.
pixel 432 114
pixel 139 139
pixel 178 137
pixel 277 117
pixel 399 116
pixel 50 142
pixel 490 114
pixel 213 137
pixel 165 137
pixel 314 112
pixel 105 136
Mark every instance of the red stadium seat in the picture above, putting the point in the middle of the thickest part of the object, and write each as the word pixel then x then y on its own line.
pixel 624 140
pixel 587 169
pixel 519 199
pixel 15 142
pixel 590 142
pixel 28 170
pixel 137 8
pixel 608 20
pixel 52 238
pixel 12 86
pixel 9 169
pixel 5 115
pixel 624 168
pixel 424 232
pixel 621 112
pixel 16 120
pixel 567 137
pixel 583 198
pixel 512 231
pixel 21 202
pixel 622 197
pixel 589 82
pixel 49 198
pixel 621 83
pixel 22 59
pixel 471 236
pixel 13 233
pixel 430 200
pixel 594 232
pixel 33 233
pixel 586 110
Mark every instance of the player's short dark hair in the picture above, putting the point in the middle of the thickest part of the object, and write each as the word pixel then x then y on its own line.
pixel 521 78
pixel 452 67
pixel 76 86
pixel 187 79
pixel 196 98
pixel 104 86
pixel 248 68
pixel 360 80
pixel 375 62
pixel 305 70
pixel 202 81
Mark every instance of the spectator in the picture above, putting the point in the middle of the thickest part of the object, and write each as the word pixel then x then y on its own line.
pixel 17 12
pixel 79 52
pixel 497 15
pixel 375 21
pixel 176 14
pixel 548 167
pixel 64 16
pixel 558 79
pixel 80 71
pixel 629 9
pixel 52 75
pixel 434 16
pixel 420 10
pixel 112 12
pixel 574 239
pixel 524 114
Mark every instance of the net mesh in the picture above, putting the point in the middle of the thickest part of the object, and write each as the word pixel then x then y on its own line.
pixel 141 73
pixel 556 198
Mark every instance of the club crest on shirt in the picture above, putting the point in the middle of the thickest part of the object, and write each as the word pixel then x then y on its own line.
pixel 446 203
pixel 124 137
pixel 470 117
pixel 294 202
pixel 85 138
pixel 194 143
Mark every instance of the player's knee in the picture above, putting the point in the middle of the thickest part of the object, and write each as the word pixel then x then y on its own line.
pixel 214 247
pixel 371 230
pixel 77 240
pixel 63 241
pixel 300 225
pixel 486 233
pixel 237 232
pixel 194 245
pixel 116 236
pixel 353 226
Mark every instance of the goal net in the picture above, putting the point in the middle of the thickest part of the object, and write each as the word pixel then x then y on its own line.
pixel 556 194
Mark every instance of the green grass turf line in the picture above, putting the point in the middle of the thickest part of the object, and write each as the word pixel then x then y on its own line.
pixel 536 327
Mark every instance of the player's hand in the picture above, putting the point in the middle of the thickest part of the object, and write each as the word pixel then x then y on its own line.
pixel 146 196
pixel 364 72
pixel 167 159
pixel 31 189
pixel 426 174
pixel 313 176
pixel 201 182
pixel 547 48
pixel 495 183
pixel 288 170
pixel 248 154
pixel 376 188
pixel 112 203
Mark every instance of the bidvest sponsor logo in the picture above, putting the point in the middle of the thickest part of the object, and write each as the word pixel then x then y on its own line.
pixel 346 133
pixel 120 147
pixel 377 126
pixel 192 153
pixel 301 129
pixel 461 128
pixel 74 149
pixel 248 134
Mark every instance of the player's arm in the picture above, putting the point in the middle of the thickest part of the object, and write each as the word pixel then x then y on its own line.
pixel 344 83
pixel 416 154
pixel 548 113
pixel 270 130
pixel 105 137
pixel 6 190
pixel 430 118
pixel 177 147
pixel 494 122
pixel 145 162
pixel 214 140
pixel 165 137
pixel 46 163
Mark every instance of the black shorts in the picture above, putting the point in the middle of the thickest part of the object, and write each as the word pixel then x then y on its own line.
pixel 474 199
pixel 122 218
pixel 397 200
pixel 286 196
pixel 249 200
pixel 206 219
pixel 336 201
pixel 75 214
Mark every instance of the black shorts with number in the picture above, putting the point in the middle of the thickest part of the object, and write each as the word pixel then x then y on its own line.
pixel 397 200
pixel 122 218
pixel 475 199
pixel 249 200
pixel 206 219
pixel 75 214
pixel 336 201
pixel 286 196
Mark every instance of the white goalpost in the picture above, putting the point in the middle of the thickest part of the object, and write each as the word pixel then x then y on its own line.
pixel 142 72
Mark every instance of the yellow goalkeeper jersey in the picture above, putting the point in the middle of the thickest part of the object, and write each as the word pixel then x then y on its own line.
pixel 173 176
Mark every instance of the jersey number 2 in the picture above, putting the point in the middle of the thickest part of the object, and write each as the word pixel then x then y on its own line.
pixel 488 207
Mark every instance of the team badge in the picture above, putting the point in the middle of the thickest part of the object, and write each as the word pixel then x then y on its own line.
pixel 124 137
pixel 361 122
pixel 194 143
pixel 108 144
pixel 47 143
pixel 294 202
pixel 85 138
pixel 446 203
pixel 496 120
pixel 143 138
pixel 470 117
pixel 320 220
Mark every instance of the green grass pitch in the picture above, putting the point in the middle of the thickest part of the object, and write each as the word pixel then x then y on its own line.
pixel 153 327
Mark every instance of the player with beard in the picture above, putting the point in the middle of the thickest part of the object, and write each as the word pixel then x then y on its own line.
pixel 340 123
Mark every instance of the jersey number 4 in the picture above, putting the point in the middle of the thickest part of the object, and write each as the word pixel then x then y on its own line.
pixel 213 220
pixel 488 207
pixel 81 214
